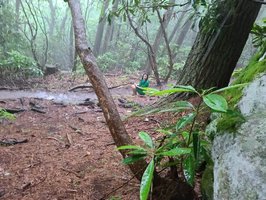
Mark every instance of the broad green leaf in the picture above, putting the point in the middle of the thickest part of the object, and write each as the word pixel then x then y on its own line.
pixel 184 105
pixel 130 147
pixel 138 152
pixel 150 91
pixel 183 121
pixel 189 88
pixel 146 138
pixel 146 181
pixel 171 91
pixel 175 152
pixel 229 87
pixel 216 102
pixel 155 110
pixel 132 159
pixel 189 169
pixel 176 110
pixel 166 132
pixel 204 92
pixel 185 135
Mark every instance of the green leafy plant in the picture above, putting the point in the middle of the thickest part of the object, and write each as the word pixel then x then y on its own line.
pixel 184 144
pixel 259 32
pixel 6 115
pixel 18 64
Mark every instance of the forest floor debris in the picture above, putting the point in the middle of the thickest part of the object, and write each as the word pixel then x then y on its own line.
pixel 69 149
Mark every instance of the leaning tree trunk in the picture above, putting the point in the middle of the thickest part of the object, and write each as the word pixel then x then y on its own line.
pixel 217 49
pixel 97 80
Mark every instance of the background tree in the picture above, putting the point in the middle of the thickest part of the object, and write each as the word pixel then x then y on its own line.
pixel 34 24
pixel 100 28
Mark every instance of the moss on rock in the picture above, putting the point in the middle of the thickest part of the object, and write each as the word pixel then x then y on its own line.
pixel 230 122
pixel 246 75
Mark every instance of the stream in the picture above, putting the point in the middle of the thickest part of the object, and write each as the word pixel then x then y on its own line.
pixel 59 97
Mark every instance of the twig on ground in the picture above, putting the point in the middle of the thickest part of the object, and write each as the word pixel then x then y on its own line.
pixel 80 112
pixel 69 140
pixel 109 144
pixel 90 86
pixel 80 87
pixel 72 172
pixel 53 138
pixel 38 110
pixel 77 130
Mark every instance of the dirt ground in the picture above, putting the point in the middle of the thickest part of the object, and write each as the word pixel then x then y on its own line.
pixel 69 153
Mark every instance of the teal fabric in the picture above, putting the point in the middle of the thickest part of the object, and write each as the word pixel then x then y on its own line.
pixel 143 84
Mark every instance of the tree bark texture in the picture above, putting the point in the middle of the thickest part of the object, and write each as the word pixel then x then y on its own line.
pixel 217 49
pixel 97 80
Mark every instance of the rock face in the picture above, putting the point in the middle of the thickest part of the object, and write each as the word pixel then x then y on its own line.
pixel 240 157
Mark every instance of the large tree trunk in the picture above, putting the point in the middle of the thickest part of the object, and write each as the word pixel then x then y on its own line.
pixel 97 80
pixel 100 29
pixel 217 49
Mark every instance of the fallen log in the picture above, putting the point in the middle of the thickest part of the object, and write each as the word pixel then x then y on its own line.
pixel 12 141
pixel 80 87
pixel 14 110
pixel 37 110
pixel 90 86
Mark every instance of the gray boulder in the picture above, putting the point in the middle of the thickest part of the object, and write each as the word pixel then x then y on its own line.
pixel 240 157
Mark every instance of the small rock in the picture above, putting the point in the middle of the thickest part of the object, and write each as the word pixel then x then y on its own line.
pixel 146 120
